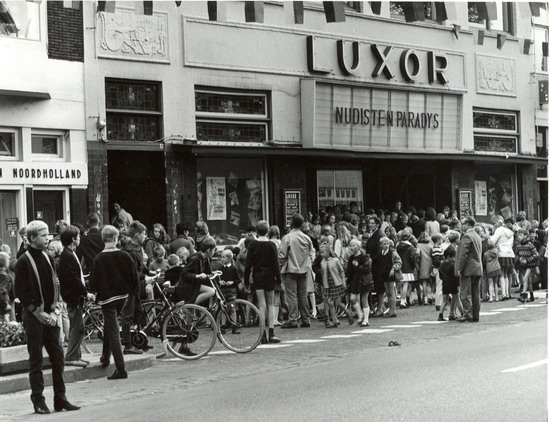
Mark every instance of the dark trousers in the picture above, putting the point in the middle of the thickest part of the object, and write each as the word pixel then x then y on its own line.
pixel 76 333
pixel 127 319
pixel 38 336
pixel 111 332
pixel 469 295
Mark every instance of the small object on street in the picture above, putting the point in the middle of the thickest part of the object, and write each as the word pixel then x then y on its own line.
pixel 393 343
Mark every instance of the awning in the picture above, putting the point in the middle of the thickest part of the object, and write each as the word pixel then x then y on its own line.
pixel 265 150
pixel 38 95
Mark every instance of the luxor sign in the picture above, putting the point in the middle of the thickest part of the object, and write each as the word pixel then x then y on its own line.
pixel 413 65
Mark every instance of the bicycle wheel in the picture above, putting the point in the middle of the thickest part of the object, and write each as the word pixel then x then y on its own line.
pixel 189 331
pixel 93 324
pixel 239 327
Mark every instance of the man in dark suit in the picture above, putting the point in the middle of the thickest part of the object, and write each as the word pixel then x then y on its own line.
pixel 468 267
pixel 73 291
pixel 91 243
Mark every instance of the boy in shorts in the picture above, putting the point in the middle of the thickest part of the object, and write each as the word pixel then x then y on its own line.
pixel 450 283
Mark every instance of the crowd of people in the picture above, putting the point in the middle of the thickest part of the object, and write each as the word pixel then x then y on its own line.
pixel 340 263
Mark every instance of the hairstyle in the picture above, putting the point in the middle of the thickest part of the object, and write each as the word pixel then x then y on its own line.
pixel 384 239
pixel 437 238
pixel 161 228
pixel 355 241
pixel 80 228
pixel 56 246
pixel 60 225
pixel 274 232
pixel 444 228
pixel 22 230
pixel 297 221
pixel 248 241
pixel 136 228
pixel 182 253
pixel 34 227
pixel 228 253
pixel 325 230
pixel 449 253
pixel 109 233
pixel 326 247
pixel 201 228
pixel 497 219
pixel 207 244
pixel 68 234
pixel 523 231
pixel 93 219
pixel 403 235
pixel 4 260
pixel 173 260
pixel 343 234
pixel 424 238
pixel 430 214
pixel 159 251
pixel 470 221
pixel 262 228
pixel 180 229
pixel 490 243
pixel 5 248
pixel 453 236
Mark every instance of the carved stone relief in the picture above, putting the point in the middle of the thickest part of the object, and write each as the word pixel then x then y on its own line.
pixel 496 75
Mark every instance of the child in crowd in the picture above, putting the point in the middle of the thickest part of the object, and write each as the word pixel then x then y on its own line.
pixel 437 258
pixel 425 266
pixel 158 262
pixel 230 277
pixel 527 259
pixel 172 274
pixel 334 285
pixel 450 284
pixel 491 267
pixel 326 237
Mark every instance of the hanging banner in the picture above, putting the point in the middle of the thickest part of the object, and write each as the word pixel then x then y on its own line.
pixel 464 203
pixel 215 198
pixel 481 198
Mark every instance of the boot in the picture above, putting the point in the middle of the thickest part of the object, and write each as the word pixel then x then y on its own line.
pixel 272 338
pixel 531 297
pixel 522 297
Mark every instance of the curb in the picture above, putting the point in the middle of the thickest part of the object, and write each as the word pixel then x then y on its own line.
pixel 20 382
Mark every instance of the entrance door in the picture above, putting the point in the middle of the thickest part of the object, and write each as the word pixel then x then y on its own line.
pixel 48 206
pixel 9 222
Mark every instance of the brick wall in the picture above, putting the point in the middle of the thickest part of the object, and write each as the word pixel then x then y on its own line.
pixel 65 32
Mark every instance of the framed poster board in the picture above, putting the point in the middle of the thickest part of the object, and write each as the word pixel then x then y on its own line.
pixel 465 203
pixel 292 204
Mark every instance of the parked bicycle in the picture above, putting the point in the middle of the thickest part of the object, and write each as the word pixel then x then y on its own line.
pixel 189 331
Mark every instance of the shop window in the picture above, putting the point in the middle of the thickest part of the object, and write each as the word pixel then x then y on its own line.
pixel 343 188
pixel 134 110
pixel 396 10
pixel 495 132
pixel 20 19
pixel 230 195
pixel 47 146
pixel 494 193
pixel 7 144
pixel 227 116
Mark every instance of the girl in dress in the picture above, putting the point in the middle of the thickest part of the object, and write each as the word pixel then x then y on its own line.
pixel 334 285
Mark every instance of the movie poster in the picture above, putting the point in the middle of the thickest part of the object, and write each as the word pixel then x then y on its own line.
pixel 216 206
pixel 481 198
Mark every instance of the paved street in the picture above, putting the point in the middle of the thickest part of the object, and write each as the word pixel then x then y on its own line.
pixel 441 371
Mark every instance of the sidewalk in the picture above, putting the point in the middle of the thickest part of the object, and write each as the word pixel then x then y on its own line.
pixel 19 382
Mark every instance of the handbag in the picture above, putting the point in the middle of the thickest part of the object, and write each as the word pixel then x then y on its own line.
pixel 55 307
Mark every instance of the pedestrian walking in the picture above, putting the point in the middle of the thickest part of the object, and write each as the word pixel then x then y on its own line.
pixel 73 290
pixel 36 288
pixel 385 266
pixel 114 278
pixel 469 269
pixel 262 262
pixel 296 254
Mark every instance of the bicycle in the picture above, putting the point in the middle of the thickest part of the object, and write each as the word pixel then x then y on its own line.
pixel 189 331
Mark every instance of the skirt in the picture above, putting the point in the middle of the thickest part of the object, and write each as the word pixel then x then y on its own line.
pixel 334 292
pixel 506 262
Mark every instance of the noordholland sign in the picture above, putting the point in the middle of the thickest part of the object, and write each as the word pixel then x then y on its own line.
pixel 17 173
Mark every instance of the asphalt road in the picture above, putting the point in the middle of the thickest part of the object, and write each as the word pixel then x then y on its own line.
pixel 447 371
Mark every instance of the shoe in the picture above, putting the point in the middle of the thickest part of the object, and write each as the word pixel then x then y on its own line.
pixel 132 351
pixel 490 300
pixel 118 375
pixel 426 302
pixel 403 306
pixel 41 408
pixel 390 316
pixel 236 330
pixel 278 324
pixel 264 339
pixel 438 308
pixel 440 318
pixel 452 318
pixel 505 298
pixel 531 299
pixel 305 324
pixel 184 350
pixel 464 319
pixel 64 405
pixel 104 362
pixel 329 324
pixel 290 324
pixel 274 339
pixel 79 363
pixel 365 324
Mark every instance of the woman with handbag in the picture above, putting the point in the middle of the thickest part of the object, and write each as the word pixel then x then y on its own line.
pixel 387 268
pixel 359 274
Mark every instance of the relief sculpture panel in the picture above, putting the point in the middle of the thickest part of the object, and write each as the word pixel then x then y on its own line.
pixel 126 35
pixel 496 76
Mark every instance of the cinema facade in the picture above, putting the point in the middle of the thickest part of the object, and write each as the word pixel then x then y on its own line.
pixel 233 122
